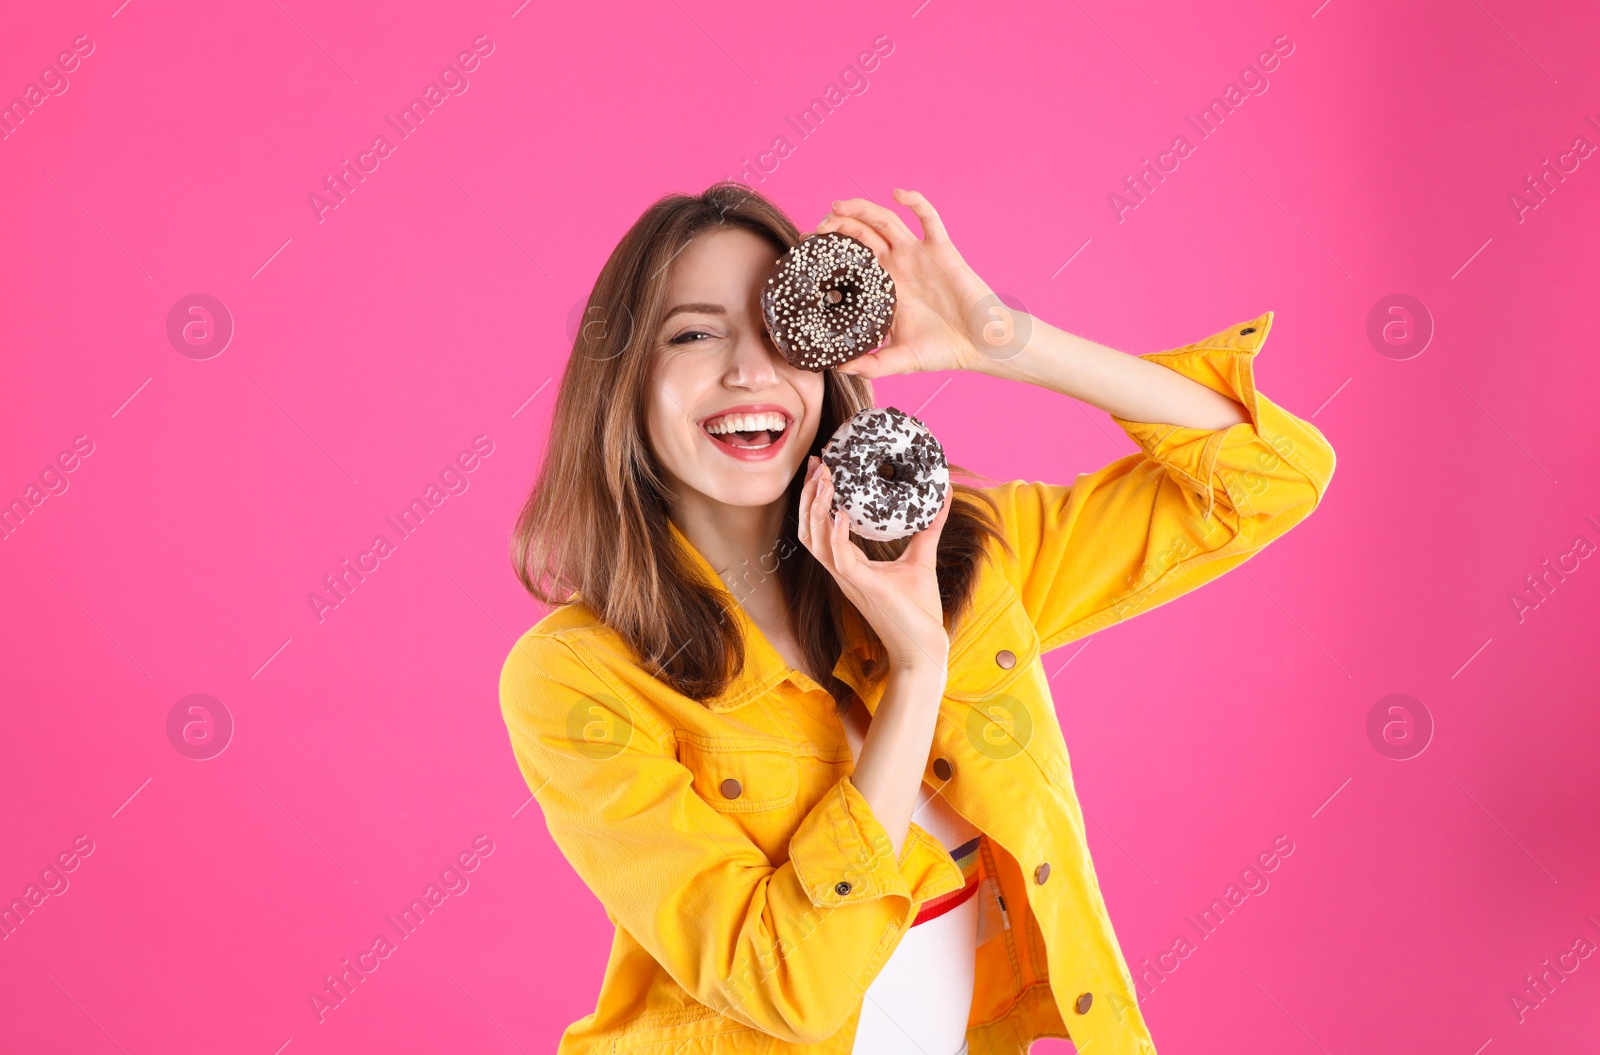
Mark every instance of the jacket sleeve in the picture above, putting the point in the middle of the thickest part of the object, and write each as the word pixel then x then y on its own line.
pixel 787 948
pixel 1192 504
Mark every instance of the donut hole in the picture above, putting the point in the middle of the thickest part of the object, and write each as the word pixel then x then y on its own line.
pixel 839 292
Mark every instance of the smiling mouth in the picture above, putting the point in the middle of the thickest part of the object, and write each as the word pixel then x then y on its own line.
pixel 750 432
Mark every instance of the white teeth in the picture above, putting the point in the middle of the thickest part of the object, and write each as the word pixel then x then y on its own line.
pixel 767 421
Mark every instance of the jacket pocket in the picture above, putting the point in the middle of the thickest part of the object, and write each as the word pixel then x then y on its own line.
pixel 740 774
pixel 999 647
pixel 1000 692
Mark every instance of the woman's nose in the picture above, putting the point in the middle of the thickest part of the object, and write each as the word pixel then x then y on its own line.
pixel 753 364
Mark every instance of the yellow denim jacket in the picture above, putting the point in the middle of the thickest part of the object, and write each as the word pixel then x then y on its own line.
pixel 755 895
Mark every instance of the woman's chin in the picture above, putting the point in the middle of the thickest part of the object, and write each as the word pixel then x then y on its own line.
pixel 756 486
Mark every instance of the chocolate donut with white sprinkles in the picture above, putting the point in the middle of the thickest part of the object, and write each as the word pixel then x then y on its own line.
pixel 890 476
pixel 828 301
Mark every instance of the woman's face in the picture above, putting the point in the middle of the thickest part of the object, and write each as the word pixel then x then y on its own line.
pixel 728 416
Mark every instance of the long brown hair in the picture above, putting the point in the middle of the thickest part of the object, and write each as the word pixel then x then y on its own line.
pixel 594 527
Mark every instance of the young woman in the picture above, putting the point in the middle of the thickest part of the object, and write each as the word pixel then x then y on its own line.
pixel 816 781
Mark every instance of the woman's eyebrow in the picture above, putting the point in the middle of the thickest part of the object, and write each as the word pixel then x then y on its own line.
pixel 703 309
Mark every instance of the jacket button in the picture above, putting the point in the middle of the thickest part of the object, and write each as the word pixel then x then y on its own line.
pixel 1081 1006
pixel 1041 873
pixel 942 768
pixel 731 788
pixel 1242 333
pixel 841 888
pixel 1006 658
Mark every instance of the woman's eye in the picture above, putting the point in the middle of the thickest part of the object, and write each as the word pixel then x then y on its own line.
pixel 685 338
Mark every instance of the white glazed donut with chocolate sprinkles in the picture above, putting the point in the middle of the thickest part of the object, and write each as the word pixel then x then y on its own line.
pixel 890 476
pixel 828 301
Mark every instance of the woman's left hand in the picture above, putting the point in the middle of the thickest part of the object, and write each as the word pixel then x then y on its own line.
pixel 944 314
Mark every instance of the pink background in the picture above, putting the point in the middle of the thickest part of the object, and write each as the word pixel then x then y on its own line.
pixel 433 307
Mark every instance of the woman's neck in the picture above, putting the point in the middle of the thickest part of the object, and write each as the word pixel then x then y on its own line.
pixel 742 544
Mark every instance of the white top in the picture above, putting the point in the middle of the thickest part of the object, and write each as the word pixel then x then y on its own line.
pixel 920 1000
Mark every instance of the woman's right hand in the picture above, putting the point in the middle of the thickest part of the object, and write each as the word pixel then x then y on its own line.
pixel 900 598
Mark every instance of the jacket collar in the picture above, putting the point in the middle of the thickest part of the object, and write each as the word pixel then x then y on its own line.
pixel 764 669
